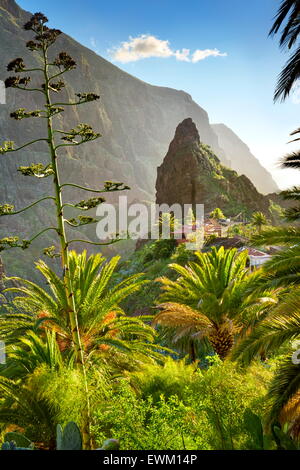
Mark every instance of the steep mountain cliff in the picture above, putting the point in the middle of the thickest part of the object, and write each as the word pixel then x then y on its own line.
pixel 137 122
pixel 241 159
pixel 136 119
pixel 192 174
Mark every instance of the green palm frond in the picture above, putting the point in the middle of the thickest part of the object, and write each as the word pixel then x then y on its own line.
pixel 34 351
pixel 98 305
pixel 292 214
pixel 283 263
pixel 288 76
pixel 292 193
pixel 36 296
pixel 279 327
pixel 22 407
pixel 282 236
pixel 213 294
pixel 292 28
pixel 284 387
pixel 15 325
pixel 291 160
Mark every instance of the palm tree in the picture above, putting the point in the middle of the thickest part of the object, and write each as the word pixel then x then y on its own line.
pixel 167 223
pixel 33 351
pixel 104 328
pixel 217 214
pixel 211 300
pixel 22 406
pixel 292 214
pixel 40 386
pixel 258 219
pixel 289 10
pixel 292 161
pixel 283 269
pixel 280 327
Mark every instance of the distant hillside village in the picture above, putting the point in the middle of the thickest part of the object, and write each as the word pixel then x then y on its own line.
pixel 217 233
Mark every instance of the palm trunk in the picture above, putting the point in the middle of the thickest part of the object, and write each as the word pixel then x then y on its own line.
pixel 222 342
pixel 192 351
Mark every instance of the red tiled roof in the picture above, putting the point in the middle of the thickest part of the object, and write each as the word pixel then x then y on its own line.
pixel 254 252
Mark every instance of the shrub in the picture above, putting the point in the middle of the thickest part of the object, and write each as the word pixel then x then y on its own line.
pixel 174 407
pixel 168 380
pixel 160 249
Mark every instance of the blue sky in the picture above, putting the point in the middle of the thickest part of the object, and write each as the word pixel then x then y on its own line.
pixel 236 88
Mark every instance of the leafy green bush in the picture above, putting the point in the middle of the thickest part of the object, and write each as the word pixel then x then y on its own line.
pixel 220 395
pixel 182 255
pixel 139 425
pixel 160 249
pixel 168 380
pixel 177 407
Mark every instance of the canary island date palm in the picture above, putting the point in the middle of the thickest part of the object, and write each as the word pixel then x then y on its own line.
pixel 258 220
pixel 217 214
pixel 105 330
pixel 212 299
pixel 283 269
pixel 21 403
pixel 49 73
pixel 23 406
pixel 280 327
pixel 288 18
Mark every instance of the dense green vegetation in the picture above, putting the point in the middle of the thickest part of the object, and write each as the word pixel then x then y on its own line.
pixel 142 392
pixel 167 349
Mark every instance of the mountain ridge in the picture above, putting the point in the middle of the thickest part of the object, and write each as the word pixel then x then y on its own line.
pixel 242 160
pixel 137 121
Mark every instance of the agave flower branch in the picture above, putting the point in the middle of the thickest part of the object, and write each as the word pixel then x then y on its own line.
pixel 8 209
pixel 13 242
pixel 8 145
pixel 51 69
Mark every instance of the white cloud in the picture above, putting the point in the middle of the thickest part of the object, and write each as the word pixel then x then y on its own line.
pixel 146 45
pixel 142 47
pixel 201 55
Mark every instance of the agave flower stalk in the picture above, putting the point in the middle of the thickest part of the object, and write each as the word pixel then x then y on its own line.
pixel 50 70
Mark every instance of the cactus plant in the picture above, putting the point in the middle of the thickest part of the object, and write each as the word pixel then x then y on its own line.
pixel 110 444
pixel 12 446
pixel 67 438
pixel 59 436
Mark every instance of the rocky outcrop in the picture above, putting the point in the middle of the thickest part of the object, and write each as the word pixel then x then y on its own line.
pixel 192 174
pixel 241 159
